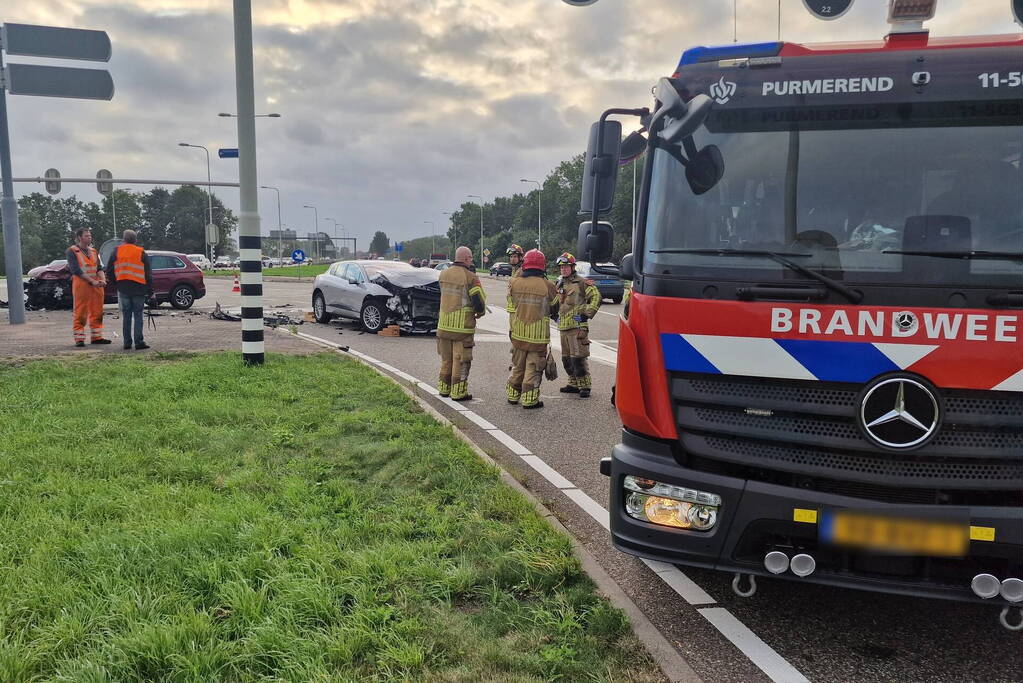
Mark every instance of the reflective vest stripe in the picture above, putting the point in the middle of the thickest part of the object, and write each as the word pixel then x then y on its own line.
pixel 90 267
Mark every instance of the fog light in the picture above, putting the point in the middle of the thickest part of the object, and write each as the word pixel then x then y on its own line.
pixel 702 517
pixel 1012 590
pixel 673 506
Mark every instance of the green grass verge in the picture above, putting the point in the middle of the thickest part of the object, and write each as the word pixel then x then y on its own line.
pixel 189 519
pixel 289 271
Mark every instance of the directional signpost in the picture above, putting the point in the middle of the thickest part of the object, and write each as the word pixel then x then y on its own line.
pixel 41 81
pixel 298 256
pixel 227 153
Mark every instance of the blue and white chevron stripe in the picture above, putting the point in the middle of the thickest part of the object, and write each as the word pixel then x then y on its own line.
pixel 828 361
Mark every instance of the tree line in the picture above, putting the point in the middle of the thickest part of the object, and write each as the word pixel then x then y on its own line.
pixel 172 220
pixel 513 219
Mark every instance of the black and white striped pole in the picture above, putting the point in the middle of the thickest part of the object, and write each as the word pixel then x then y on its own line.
pixel 250 247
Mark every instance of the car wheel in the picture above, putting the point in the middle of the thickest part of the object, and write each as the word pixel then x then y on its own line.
pixel 182 297
pixel 320 308
pixel 616 299
pixel 372 316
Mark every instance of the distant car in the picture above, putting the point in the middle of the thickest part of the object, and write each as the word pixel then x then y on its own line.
pixel 176 279
pixel 609 285
pixel 501 268
pixel 200 260
pixel 222 262
pixel 443 265
pixel 378 294
pixel 267 262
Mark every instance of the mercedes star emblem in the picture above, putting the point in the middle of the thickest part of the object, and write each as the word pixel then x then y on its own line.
pixel 899 413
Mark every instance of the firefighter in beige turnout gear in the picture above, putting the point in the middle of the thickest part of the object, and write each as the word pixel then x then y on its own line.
pixel 579 300
pixel 534 300
pixel 462 301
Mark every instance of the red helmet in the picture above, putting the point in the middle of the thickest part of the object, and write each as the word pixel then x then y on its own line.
pixel 514 249
pixel 534 260
pixel 566 259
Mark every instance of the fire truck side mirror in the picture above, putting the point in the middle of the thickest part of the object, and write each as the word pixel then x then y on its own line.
pixel 600 175
pixel 628 270
pixel 596 244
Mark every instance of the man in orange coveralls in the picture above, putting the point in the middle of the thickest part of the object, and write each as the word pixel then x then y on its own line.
pixel 88 285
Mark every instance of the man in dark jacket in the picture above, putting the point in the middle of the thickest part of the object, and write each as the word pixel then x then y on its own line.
pixel 130 270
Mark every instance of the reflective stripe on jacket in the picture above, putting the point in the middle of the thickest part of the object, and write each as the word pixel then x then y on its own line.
pixel 461 300
pixel 516 272
pixel 88 261
pixel 128 265
pixel 534 298
pixel 578 296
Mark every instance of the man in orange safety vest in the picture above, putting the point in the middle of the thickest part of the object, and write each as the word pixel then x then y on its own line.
pixel 88 285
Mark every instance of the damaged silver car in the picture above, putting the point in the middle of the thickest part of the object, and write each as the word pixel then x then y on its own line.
pixel 378 294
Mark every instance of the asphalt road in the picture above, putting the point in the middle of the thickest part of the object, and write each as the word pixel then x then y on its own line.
pixel 788 631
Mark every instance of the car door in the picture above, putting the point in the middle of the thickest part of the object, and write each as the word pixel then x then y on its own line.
pixel 356 289
pixel 334 288
pixel 166 271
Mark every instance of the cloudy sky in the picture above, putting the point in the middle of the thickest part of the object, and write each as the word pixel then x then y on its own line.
pixel 391 112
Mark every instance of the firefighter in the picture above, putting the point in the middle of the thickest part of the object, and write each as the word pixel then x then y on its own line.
pixel 515 259
pixel 579 300
pixel 88 287
pixel 534 300
pixel 462 301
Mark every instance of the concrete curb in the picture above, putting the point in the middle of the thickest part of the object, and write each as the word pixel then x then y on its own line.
pixel 671 663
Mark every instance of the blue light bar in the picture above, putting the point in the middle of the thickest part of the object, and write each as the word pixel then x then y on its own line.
pixel 712 54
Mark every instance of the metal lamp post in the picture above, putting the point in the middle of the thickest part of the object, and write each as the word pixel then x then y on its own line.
pixel 316 227
pixel 433 238
pixel 539 197
pixel 476 196
pixel 209 187
pixel 336 225
pixel 280 233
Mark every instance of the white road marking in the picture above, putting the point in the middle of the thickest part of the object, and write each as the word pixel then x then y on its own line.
pixel 680 583
pixel 759 652
pixel 548 472
pixel 590 506
pixel 480 422
pixel 614 315
pixel 513 445
pixel 776 667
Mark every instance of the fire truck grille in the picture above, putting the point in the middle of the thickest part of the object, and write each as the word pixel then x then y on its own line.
pixel 794 433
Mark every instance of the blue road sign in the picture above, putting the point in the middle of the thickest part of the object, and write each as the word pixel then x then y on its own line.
pixel 228 153
pixel 399 246
pixel 298 256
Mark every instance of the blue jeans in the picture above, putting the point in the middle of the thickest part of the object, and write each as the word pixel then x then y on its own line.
pixel 131 312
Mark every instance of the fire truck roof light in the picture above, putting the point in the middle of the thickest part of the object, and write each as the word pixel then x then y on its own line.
pixel 697 55
pixel 911 10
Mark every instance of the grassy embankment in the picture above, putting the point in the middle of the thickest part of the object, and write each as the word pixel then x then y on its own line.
pixel 183 518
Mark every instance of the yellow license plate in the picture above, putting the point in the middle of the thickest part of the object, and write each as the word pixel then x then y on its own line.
pixel 900 536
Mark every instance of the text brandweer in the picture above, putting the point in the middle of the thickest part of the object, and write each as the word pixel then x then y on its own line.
pixel 951 326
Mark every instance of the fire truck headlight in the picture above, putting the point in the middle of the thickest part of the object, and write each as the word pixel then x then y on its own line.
pixel 668 505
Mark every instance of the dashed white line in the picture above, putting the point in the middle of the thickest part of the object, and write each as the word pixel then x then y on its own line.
pixel 759 652
pixel 776 667
pixel 479 421
pixel 590 506
pixel 680 583
pixel 548 472
pixel 513 445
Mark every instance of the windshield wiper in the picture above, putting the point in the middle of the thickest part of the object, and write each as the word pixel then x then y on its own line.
pixel 833 285
pixel 993 255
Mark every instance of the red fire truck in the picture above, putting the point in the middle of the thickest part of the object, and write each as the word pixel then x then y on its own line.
pixel 820 370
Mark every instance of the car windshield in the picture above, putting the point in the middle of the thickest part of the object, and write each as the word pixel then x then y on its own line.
pixel 845 201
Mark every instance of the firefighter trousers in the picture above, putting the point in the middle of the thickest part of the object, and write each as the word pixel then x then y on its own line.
pixel 88 309
pixel 526 376
pixel 575 350
pixel 455 360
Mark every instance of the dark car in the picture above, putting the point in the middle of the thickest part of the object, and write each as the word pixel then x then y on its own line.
pixel 501 268
pixel 175 280
pixel 377 294
pixel 608 284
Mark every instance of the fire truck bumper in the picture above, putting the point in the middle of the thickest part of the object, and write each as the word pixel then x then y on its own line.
pixel 753 519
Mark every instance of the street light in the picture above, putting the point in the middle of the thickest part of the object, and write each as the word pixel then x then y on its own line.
pixel 476 196
pixel 258 116
pixel 316 226
pixel 335 227
pixel 539 196
pixel 280 233
pixel 433 238
pixel 209 188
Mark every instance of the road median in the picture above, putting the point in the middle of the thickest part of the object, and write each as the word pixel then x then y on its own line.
pixel 186 517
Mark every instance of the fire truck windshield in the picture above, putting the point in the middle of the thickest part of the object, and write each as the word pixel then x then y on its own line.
pixel 851 199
